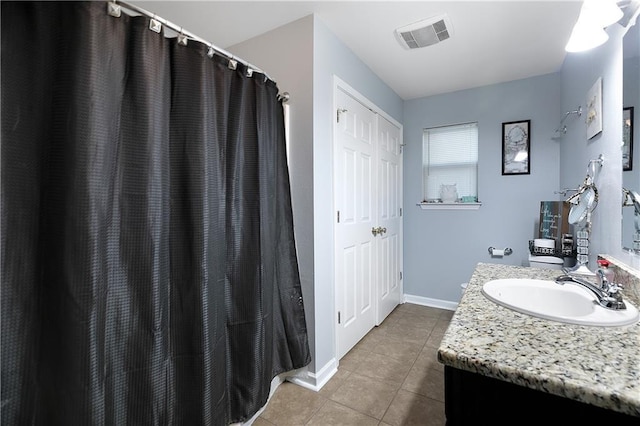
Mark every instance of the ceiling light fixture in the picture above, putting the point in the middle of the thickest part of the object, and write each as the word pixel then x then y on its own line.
pixel 589 31
pixel 605 11
pixel 586 35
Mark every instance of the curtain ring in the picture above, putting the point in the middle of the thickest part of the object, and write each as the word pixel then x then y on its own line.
pixel 182 39
pixel 114 9
pixel 233 64
pixel 211 51
pixel 155 25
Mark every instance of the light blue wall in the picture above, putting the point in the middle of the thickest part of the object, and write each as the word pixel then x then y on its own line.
pixel 579 73
pixel 442 247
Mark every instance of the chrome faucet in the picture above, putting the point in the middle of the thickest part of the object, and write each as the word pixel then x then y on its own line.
pixel 607 294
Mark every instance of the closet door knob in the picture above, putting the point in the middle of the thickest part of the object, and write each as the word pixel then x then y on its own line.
pixel 378 231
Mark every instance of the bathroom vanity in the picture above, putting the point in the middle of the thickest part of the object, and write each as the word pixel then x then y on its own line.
pixel 504 367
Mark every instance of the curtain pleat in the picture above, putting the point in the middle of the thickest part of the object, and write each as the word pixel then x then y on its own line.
pixel 149 272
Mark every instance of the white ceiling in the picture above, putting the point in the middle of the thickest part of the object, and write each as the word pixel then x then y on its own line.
pixel 492 41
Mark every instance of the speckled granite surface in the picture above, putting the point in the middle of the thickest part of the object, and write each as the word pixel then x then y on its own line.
pixel 595 365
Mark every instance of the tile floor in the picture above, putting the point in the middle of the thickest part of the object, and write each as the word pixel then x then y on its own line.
pixel 391 377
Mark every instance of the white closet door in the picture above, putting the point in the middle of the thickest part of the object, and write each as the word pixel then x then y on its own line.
pixel 368 231
pixel 355 251
pixel 389 196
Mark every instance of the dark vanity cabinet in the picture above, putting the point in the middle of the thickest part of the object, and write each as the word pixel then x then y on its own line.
pixel 474 399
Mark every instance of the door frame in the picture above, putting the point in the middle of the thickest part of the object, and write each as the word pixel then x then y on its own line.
pixel 339 84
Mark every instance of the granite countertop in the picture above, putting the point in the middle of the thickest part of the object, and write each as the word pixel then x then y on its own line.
pixel 594 365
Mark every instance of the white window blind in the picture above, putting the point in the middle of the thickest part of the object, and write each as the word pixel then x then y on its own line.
pixel 450 156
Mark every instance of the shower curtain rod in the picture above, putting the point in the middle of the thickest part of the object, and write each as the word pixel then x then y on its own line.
pixel 114 11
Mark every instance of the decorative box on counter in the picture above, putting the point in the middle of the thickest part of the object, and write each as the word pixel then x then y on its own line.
pixel 554 224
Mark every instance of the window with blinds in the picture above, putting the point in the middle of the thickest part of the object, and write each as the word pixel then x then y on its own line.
pixel 450 156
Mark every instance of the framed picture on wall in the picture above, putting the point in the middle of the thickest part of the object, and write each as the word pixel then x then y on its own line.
pixel 627 138
pixel 516 147
pixel 594 109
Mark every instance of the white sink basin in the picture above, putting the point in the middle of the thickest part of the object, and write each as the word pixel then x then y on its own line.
pixel 568 303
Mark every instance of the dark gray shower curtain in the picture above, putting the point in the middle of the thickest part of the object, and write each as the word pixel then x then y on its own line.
pixel 149 272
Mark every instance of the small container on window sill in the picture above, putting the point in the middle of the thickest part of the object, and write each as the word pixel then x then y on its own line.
pixel 448 193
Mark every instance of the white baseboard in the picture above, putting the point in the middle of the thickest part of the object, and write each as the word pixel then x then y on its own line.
pixel 314 381
pixel 302 377
pixel 434 303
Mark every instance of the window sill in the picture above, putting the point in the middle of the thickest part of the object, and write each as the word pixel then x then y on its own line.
pixel 449 206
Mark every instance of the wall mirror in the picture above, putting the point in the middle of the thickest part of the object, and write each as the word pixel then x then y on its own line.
pixel 631 98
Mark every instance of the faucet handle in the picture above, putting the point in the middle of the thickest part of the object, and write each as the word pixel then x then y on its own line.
pixel 613 288
pixel 613 296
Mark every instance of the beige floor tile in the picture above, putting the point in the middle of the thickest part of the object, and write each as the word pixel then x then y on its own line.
pixel 292 405
pixel 388 321
pixel 397 311
pixel 419 309
pixel 434 340
pixel 371 340
pixel 428 358
pixel 441 326
pixel 428 382
pixel 392 374
pixel 414 335
pixel 396 347
pixel 365 395
pixel 353 358
pixel 411 409
pixel 446 315
pixel 385 369
pixel 335 382
pixel 335 414
pixel 415 319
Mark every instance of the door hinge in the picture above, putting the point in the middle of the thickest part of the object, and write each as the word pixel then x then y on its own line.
pixel 338 317
pixel 400 274
pixel 338 216
pixel 338 112
pixel 400 211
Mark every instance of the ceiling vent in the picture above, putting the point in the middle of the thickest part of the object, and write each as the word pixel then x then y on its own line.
pixel 425 33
